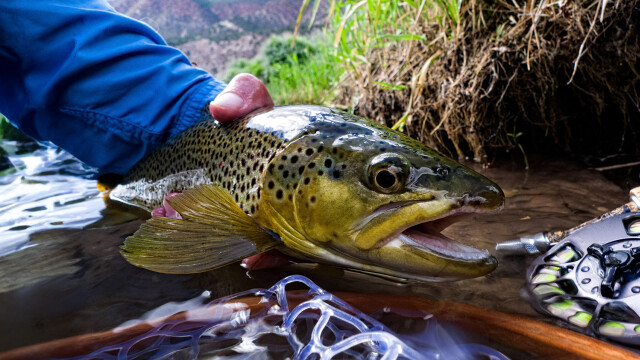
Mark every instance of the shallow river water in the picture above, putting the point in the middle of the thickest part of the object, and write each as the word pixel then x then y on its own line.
pixel 62 275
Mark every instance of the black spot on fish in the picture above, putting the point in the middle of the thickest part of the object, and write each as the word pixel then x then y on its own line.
pixel 294 159
pixel 328 163
pixel 279 194
pixel 320 148
pixel 442 171
pixel 320 172
pixel 311 165
pixel 336 174
pixel 271 185
pixel 309 152
pixel 285 174
pixel 306 181
pixel 313 199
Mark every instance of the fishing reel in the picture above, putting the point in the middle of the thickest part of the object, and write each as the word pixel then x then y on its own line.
pixel 589 276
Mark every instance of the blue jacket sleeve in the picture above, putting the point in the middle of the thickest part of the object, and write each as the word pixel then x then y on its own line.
pixel 103 86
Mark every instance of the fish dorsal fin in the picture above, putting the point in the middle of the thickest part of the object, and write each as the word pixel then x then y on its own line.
pixel 214 232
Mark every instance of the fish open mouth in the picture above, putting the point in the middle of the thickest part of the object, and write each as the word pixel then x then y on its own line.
pixel 405 240
pixel 426 233
pixel 428 236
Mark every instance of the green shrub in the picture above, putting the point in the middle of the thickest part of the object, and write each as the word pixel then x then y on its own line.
pixel 242 65
pixel 302 73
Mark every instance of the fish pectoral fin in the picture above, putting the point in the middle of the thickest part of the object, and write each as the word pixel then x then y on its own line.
pixel 177 246
pixel 214 232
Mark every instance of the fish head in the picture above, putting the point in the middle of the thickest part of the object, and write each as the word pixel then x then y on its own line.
pixel 365 197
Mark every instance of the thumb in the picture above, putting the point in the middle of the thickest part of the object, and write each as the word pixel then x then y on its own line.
pixel 244 94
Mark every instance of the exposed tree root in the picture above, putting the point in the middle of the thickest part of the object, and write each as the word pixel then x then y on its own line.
pixel 565 71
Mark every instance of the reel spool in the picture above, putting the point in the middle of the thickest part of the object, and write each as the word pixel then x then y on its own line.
pixel 591 279
pixel 589 276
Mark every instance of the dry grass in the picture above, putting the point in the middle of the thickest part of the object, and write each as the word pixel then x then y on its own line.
pixel 470 77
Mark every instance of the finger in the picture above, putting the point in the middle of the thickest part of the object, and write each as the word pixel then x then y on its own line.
pixel 166 210
pixel 266 260
pixel 170 212
pixel 244 94
pixel 159 212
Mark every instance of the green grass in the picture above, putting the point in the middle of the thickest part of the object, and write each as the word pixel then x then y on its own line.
pixel 308 70
pixel 303 72
pixel 356 27
pixel 10 132
pixel 3 122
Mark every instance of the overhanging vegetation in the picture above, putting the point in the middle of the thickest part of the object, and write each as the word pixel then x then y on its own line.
pixel 471 77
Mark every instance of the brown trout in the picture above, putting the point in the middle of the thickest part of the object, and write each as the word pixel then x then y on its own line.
pixel 318 184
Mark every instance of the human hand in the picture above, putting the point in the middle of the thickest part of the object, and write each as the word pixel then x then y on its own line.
pixel 244 94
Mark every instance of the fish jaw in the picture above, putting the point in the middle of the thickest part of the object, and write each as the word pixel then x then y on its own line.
pixel 416 249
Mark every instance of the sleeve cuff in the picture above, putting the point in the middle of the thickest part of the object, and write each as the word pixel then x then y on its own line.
pixel 191 110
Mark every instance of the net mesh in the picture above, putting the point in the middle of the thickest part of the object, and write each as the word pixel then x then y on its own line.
pixel 321 327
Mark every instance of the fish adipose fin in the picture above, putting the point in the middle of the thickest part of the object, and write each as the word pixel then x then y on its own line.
pixel 214 232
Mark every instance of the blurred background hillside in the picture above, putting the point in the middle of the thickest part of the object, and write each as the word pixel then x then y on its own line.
pixel 214 32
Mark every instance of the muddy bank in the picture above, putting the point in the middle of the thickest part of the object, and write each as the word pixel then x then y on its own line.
pixel 552 76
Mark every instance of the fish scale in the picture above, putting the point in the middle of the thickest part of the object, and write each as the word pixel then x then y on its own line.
pixel 231 156
pixel 319 184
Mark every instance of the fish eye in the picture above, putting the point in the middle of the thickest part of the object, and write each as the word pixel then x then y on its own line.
pixel 387 173
pixel 386 179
